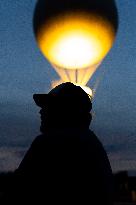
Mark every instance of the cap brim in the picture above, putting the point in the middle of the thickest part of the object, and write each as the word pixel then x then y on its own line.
pixel 41 100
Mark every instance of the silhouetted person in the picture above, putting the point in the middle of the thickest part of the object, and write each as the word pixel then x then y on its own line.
pixel 66 164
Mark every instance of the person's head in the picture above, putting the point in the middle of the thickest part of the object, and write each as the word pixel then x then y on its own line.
pixel 67 105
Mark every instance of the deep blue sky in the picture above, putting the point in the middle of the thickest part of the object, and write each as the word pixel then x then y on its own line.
pixel 24 71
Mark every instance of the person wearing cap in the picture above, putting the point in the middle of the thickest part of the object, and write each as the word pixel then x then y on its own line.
pixel 66 164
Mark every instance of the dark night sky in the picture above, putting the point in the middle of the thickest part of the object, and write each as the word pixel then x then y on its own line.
pixel 24 71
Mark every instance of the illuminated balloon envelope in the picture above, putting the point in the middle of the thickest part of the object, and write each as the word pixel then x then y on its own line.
pixel 75 36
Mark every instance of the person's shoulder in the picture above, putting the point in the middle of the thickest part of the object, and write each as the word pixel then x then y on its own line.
pixel 40 139
pixel 89 135
pixel 92 134
pixel 94 141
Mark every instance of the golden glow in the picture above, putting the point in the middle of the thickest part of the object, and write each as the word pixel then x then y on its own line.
pixel 87 90
pixel 73 51
pixel 76 40
pixel 75 44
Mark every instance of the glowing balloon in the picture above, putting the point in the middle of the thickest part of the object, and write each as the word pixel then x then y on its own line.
pixel 75 36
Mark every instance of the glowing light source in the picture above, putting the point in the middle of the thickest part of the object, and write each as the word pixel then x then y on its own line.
pixel 75 37
pixel 75 44
pixel 76 41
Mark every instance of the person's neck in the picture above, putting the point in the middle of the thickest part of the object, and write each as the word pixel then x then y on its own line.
pixel 54 129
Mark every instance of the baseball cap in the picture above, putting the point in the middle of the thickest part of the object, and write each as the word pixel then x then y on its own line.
pixel 66 95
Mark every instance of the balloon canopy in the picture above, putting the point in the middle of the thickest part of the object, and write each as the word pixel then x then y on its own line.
pixel 75 35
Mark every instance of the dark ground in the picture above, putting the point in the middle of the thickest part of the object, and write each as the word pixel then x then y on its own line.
pixel 124 187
